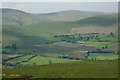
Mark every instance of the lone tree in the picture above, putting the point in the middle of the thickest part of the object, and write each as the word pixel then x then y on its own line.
pixel 111 34
pixel 106 46
pixel 50 62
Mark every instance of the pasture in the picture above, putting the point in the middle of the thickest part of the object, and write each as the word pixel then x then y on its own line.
pixel 45 60
pixel 102 56
pixel 19 59
pixel 38 60
pixel 79 69
pixel 101 44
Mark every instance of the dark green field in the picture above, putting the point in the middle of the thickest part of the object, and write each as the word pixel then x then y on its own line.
pixel 81 69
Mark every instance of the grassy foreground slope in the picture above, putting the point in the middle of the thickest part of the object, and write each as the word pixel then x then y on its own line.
pixel 82 69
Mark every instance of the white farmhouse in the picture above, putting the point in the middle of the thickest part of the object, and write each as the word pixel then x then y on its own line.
pixel 80 42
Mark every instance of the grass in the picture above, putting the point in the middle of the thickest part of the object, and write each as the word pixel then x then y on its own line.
pixel 22 58
pixel 39 60
pixel 35 33
pixel 40 32
pixel 105 20
pixel 101 44
pixel 45 60
pixel 10 38
pixel 79 69
pixel 103 56
pixel 67 44
pixel 55 55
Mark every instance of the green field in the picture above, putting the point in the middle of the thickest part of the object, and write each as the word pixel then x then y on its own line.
pixel 79 69
pixel 42 60
pixel 102 56
pixel 45 60
pixel 19 59
pixel 38 60
pixel 101 44
pixel 104 20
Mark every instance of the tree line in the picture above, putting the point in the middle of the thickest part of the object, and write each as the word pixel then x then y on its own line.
pixel 85 37
pixel 12 46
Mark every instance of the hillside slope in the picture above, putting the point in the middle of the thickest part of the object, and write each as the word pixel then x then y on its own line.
pixel 17 17
pixel 79 69
pixel 104 20
pixel 45 31
pixel 72 15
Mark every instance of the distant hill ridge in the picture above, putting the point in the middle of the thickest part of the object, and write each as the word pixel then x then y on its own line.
pixel 18 17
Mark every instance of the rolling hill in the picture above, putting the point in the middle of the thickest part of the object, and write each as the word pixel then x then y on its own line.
pixel 104 20
pixel 18 17
pixel 38 39
pixel 43 32
pixel 72 15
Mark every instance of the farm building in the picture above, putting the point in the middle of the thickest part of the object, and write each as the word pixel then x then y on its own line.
pixel 80 42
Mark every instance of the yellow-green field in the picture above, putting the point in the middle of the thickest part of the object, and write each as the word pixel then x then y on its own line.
pixel 102 56
pixel 38 60
pixel 45 60
pixel 22 58
pixel 101 44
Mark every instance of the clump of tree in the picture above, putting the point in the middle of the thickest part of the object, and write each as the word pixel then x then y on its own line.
pixel 100 51
pixel 74 38
pixel 12 46
pixel 105 47
pixel 50 62
pixel 111 34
